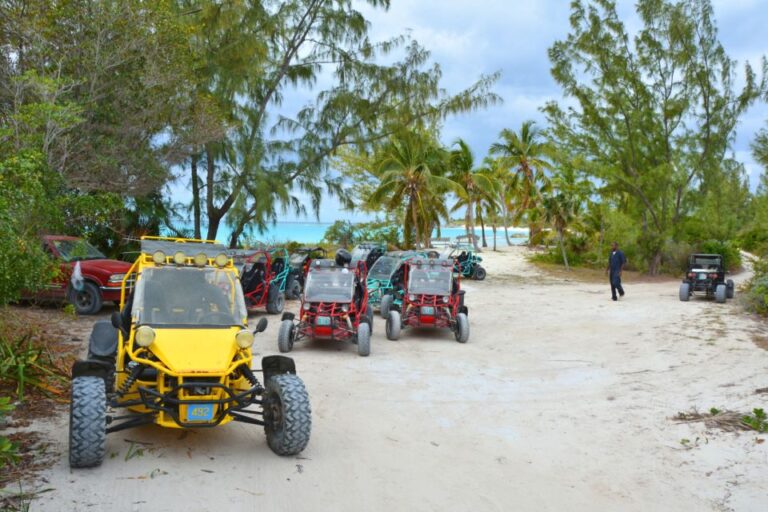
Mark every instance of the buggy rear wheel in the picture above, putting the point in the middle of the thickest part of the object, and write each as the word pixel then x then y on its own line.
pixel 294 290
pixel 685 292
pixel 393 325
pixel 729 288
pixel 720 293
pixel 363 339
pixel 87 422
pixel 462 328
pixel 287 414
pixel 285 336
pixel 276 303
pixel 386 305
pixel 479 273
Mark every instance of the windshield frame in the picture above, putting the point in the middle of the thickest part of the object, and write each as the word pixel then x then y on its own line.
pixel 233 300
pixel 317 276
pixel 433 289
pixel 380 263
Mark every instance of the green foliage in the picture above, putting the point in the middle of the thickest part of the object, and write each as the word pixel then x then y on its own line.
pixel 8 449
pixel 346 234
pixel 728 250
pixel 757 288
pixel 758 420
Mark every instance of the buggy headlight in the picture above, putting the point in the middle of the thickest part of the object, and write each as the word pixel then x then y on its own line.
pixel 179 258
pixel 411 297
pixel 221 260
pixel 244 339
pixel 446 299
pixel 201 259
pixel 145 335
pixel 158 257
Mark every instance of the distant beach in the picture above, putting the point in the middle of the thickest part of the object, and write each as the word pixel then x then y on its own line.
pixel 313 232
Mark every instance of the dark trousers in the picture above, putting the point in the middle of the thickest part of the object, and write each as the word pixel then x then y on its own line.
pixel 616 285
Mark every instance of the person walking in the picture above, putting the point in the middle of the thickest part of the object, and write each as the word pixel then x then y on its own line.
pixel 616 262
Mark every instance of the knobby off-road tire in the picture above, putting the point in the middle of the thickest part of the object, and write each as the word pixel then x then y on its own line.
pixel 287 414
pixel 87 422
pixel 386 304
pixel 685 292
pixel 720 293
pixel 462 328
pixel 730 289
pixel 363 339
pixel 479 273
pixel 295 290
pixel 285 336
pixel 369 316
pixel 276 303
pixel 88 300
pixel 393 325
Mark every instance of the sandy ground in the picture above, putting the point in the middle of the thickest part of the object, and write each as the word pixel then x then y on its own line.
pixel 561 399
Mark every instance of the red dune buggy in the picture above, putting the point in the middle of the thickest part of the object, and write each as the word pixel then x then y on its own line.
pixel 263 279
pixel 432 297
pixel 334 307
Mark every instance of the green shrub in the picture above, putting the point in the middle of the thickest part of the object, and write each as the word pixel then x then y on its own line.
pixel 8 449
pixel 757 288
pixel 728 250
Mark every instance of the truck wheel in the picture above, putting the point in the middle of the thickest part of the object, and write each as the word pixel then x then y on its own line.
pixel 363 339
pixel 462 328
pixel 393 325
pixel 88 300
pixel 386 305
pixel 276 304
pixel 729 288
pixel 295 290
pixel 285 336
pixel 720 293
pixel 287 415
pixel 479 273
pixel 87 422
pixel 685 292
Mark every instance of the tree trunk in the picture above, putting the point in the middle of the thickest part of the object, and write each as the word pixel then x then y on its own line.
pixel 482 228
pixel 195 197
pixel 494 236
pixel 235 237
pixel 654 265
pixel 214 216
pixel 562 249
pixel 471 222
pixel 505 217
pixel 415 220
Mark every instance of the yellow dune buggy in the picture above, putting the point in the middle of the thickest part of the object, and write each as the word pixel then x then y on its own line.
pixel 178 354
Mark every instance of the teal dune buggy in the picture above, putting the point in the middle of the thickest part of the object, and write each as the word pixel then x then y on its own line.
pixel 368 252
pixel 300 262
pixel 467 261
pixel 385 280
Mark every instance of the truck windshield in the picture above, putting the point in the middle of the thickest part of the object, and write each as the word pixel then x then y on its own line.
pixel 383 268
pixel 429 281
pixel 77 250
pixel 330 285
pixel 189 297
pixel 707 262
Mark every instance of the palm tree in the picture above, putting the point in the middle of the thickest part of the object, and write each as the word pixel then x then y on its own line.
pixel 474 185
pixel 527 154
pixel 409 171
pixel 560 210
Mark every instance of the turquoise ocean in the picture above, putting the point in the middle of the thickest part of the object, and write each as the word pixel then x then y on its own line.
pixel 313 232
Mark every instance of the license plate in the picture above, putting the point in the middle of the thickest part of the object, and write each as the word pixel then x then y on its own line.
pixel 199 412
pixel 702 277
pixel 427 310
pixel 323 320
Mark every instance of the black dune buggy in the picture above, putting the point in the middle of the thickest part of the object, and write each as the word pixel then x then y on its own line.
pixel 299 266
pixel 368 253
pixel 334 307
pixel 432 297
pixel 706 274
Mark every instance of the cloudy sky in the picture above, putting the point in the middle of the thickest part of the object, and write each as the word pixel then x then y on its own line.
pixel 472 37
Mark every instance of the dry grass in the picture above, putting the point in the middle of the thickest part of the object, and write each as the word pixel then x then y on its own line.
pixel 728 421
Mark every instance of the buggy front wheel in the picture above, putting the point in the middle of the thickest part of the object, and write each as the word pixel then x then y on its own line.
pixel 276 304
pixel 363 339
pixel 479 273
pixel 462 328
pixel 294 290
pixel 685 292
pixel 287 414
pixel 285 336
pixel 87 422
pixel 720 294
pixel 393 325
pixel 386 305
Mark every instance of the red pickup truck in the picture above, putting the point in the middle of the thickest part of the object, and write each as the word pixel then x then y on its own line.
pixel 102 277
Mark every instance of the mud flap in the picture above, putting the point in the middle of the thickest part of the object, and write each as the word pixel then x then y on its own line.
pixel 276 365
pixel 103 342
pixel 91 368
pixel 288 316
pixel 464 309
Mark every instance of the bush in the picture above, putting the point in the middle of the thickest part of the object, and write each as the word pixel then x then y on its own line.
pixel 347 234
pixel 728 250
pixel 757 288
